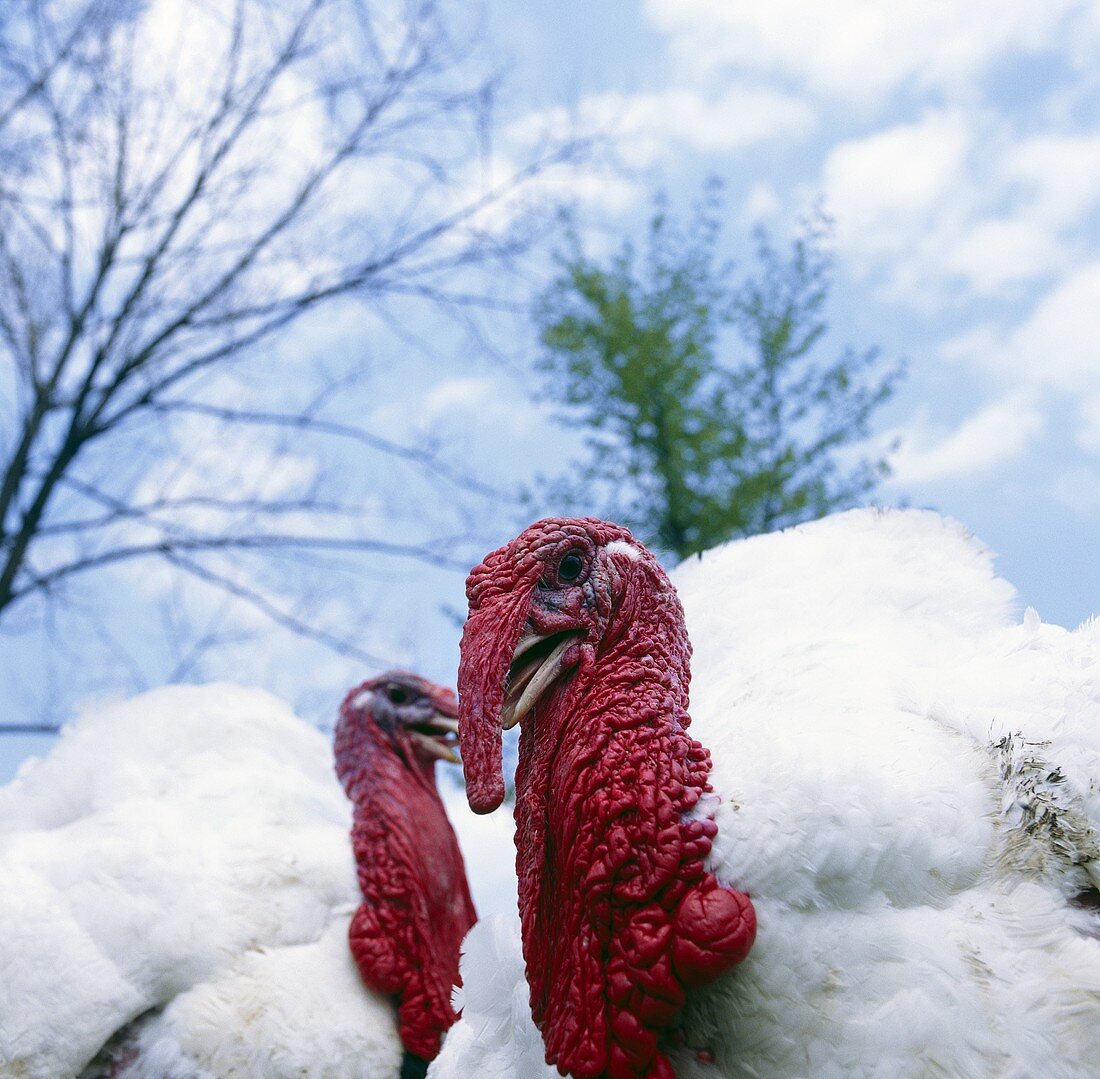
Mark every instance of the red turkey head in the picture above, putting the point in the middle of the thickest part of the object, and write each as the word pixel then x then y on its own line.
pixel 418 717
pixel 538 607
pixel 576 633
pixel 405 937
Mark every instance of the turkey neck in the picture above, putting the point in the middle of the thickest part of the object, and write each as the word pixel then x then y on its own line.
pixel 607 850
pixel 375 775
pixel 404 841
pixel 632 690
pixel 406 935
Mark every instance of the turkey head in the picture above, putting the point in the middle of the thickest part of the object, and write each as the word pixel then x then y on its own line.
pixel 576 633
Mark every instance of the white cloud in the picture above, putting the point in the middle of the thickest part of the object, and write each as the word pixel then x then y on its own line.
pixel 980 444
pixel 229 463
pixel 1088 433
pixel 652 123
pixel 1078 489
pixel 955 206
pixel 1059 172
pixel 597 185
pixel 482 400
pixel 1058 344
pixel 861 50
pixel 1050 184
pixel 651 126
pixel 902 198
pixel 971 197
pixel 471 418
pixel 884 186
pixel 959 200
pixel 760 203
pixel 1000 252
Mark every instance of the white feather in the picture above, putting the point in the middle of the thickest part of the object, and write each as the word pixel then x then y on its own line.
pixel 188 848
pixel 495 1038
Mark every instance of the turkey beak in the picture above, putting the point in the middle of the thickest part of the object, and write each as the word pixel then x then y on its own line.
pixel 440 725
pixel 530 675
pixel 489 641
pixel 435 746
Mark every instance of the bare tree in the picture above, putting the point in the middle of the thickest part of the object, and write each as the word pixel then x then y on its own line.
pixel 181 185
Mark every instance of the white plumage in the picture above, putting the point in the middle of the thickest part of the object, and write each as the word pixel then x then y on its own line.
pixel 907 783
pixel 185 850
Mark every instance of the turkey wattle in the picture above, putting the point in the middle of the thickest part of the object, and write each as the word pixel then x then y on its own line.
pixel 906 781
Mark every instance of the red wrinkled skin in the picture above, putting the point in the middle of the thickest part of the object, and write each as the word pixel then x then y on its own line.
pixel 620 918
pixel 405 937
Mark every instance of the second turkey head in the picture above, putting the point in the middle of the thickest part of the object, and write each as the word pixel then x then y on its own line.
pixel 406 935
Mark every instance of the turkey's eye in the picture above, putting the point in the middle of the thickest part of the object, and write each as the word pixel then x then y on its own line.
pixel 397 694
pixel 570 567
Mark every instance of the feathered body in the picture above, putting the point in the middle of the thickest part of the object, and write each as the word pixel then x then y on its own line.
pixel 179 870
pixel 906 782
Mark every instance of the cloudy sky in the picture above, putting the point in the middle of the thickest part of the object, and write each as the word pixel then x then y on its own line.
pixel 957 147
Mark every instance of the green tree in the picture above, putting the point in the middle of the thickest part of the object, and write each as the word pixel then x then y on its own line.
pixel 708 410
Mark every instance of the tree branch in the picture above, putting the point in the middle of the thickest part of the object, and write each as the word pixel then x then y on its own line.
pixel 314 425
pixel 276 614
pixel 265 542
pixel 150 238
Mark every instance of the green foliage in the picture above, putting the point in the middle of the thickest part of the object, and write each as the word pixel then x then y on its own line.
pixel 707 411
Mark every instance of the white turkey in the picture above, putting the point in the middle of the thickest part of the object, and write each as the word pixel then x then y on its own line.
pixel 177 889
pixel 902 808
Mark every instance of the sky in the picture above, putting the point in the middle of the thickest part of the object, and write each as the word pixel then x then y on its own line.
pixel 956 146
pixel 958 149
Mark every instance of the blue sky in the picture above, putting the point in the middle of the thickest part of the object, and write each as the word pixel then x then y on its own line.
pixel 957 147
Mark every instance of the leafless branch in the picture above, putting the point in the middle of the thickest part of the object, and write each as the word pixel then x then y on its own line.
pixel 298 626
pixel 315 425
pixel 169 212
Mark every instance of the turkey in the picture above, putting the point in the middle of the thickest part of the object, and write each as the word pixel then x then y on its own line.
pixel 177 890
pixel 406 934
pixel 888 867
